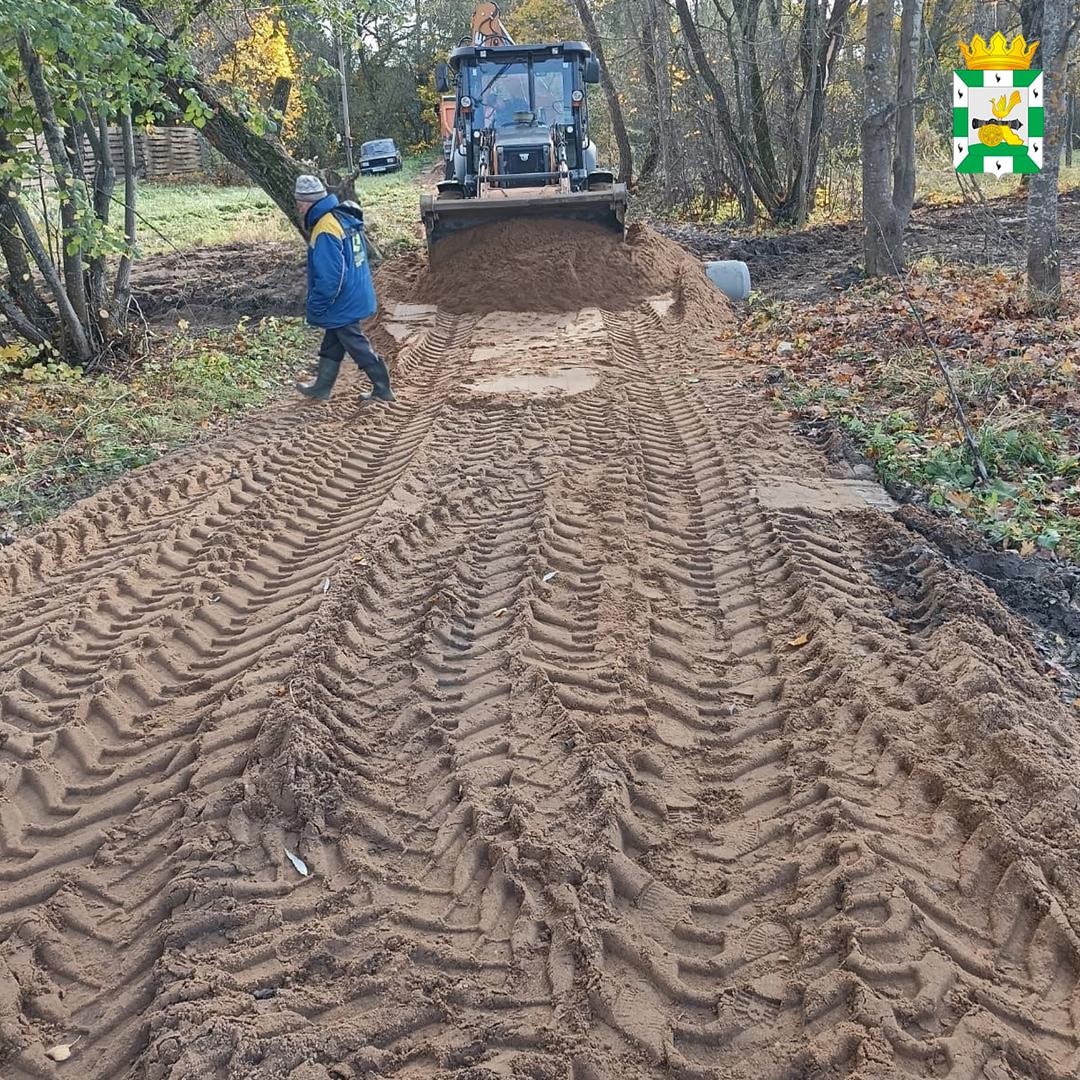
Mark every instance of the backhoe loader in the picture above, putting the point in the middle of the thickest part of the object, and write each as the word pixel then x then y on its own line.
pixel 520 144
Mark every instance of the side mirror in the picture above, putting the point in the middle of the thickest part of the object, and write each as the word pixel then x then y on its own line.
pixel 442 78
pixel 592 71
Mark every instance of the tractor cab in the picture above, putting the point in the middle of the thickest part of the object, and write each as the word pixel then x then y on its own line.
pixel 520 143
pixel 522 118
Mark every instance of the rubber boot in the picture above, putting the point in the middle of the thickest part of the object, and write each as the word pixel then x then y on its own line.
pixel 379 375
pixel 324 380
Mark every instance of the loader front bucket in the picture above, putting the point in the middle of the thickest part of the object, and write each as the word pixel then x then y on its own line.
pixel 443 215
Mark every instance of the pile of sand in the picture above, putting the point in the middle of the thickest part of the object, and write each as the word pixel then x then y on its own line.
pixel 557 266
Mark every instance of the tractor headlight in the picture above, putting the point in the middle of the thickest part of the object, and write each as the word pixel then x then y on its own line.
pixel 466 102
pixel 577 97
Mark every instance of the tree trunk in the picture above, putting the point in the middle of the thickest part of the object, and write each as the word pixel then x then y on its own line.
pixel 724 118
pixel 611 95
pixel 832 37
pixel 68 317
pixel 18 319
pixel 911 22
pixel 74 282
pixel 1043 235
pixel 20 284
pixel 104 187
pixel 883 234
pixel 652 160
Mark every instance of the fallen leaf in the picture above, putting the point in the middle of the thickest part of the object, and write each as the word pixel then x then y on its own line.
pixel 800 641
pixel 549 575
pixel 359 560
pixel 301 866
pixel 1027 548
pixel 61 1051
pixel 500 612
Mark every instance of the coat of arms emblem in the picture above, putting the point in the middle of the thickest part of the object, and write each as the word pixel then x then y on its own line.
pixel 998 108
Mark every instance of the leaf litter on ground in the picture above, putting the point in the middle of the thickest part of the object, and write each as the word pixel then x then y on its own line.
pixel 863 364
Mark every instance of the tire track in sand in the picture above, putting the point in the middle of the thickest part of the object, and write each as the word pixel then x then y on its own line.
pixel 875 916
pixel 115 726
pixel 608 754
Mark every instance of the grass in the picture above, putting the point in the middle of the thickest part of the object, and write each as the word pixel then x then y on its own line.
pixel 392 206
pixel 189 216
pixel 64 433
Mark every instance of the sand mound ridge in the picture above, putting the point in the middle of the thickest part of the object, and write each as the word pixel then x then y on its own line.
pixel 556 266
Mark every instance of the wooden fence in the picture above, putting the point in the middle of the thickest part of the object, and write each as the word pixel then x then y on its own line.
pixel 173 153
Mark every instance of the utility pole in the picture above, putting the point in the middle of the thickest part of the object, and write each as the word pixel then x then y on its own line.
pixel 344 100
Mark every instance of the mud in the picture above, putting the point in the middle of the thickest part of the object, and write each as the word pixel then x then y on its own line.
pixel 603 749
pixel 222 283
pixel 1042 590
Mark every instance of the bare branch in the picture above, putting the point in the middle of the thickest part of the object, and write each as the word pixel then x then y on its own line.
pixel 122 289
pixel 68 315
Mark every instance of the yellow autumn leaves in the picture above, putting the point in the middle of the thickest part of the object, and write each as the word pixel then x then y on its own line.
pixel 255 63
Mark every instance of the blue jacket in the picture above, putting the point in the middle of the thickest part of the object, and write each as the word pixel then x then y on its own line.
pixel 340 289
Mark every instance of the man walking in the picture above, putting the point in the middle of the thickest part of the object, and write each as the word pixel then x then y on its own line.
pixel 341 293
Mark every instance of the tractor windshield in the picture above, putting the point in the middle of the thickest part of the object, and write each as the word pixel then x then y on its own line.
pixel 521 91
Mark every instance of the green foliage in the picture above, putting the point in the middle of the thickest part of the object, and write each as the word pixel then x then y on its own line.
pixel 63 434
pixel 95 54
pixel 542 20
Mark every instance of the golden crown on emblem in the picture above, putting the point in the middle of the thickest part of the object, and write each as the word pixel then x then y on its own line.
pixel 999 55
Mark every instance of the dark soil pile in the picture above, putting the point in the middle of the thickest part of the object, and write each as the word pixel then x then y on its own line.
pixel 559 266
pixel 226 282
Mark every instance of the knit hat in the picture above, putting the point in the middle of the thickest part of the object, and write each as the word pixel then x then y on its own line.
pixel 309 189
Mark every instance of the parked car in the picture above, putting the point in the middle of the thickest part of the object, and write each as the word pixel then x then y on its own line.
pixel 379 156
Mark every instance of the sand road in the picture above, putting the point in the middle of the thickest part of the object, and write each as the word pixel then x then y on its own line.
pixel 620 734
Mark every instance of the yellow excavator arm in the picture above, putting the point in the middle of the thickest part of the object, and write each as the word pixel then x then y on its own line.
pixel 487 27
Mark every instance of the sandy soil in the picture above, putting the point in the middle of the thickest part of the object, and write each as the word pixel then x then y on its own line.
pixel 621 735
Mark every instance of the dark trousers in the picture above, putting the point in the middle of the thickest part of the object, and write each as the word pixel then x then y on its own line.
pixel 352 340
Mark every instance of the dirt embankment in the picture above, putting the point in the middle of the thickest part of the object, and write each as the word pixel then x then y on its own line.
pixel 568 719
